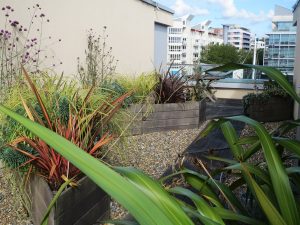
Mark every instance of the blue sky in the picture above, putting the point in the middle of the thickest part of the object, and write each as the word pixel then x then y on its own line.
pixel 253 14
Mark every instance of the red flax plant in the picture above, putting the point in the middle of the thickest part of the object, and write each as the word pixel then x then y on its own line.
pixel 85 128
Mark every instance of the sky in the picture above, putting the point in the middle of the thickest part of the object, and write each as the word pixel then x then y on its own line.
pixel 253 14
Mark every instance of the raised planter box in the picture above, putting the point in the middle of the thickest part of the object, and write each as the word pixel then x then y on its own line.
pixel 84 205
pixel 276 109
pixel 171 116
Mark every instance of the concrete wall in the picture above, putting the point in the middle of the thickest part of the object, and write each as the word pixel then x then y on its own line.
pixel 232 93
pixel 130 26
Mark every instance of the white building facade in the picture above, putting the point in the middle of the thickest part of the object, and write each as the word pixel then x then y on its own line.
pixel 260 43
pixel 185 41
pixel 239 37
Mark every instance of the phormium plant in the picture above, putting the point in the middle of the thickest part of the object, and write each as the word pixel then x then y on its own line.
pixel 86 129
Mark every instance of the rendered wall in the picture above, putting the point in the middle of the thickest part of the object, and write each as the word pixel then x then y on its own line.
pixel 130 26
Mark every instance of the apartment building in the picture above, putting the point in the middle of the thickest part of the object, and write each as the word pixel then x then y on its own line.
pixel 260 43
pixel 281 42
pixel 238 36
pixel 185 41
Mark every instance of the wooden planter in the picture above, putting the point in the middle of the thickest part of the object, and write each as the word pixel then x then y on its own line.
pixel 84 205
pixel 276 109
pixel 170 116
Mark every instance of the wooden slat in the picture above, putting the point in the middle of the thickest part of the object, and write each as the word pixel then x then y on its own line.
pixel 170 122
pixel 172 115
pixel 159 129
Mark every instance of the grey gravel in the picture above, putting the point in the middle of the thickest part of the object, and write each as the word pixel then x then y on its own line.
pixel 153 153
pixel 12 211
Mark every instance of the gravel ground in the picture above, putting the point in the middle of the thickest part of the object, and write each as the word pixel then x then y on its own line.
pixel 12 211
pixel 152 153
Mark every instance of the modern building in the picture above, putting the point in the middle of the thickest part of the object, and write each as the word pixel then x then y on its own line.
pixel 260 43
pixel 281 42
pixel 185 41
pixel 136 29
pixel 296 22
pixel 238 36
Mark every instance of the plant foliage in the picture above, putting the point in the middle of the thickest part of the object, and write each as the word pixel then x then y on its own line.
pixel 211 202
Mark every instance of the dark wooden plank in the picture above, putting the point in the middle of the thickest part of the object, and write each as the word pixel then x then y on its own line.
pixel 170 122
pixel 172 115
pixel 41 196
pixel 175 106
pixel 82 208
pixel 159 129
pixel 72 196
pixel 99 212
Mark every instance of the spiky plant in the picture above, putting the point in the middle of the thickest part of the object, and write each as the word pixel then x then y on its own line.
pixel 86 127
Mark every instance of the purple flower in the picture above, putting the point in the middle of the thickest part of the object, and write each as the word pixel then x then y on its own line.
pixel 7 15
pixel 3 8
pixel 42 15
pixel 8 7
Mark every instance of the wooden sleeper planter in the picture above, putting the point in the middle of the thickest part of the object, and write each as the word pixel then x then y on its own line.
pixel 170 116
pixel 84 205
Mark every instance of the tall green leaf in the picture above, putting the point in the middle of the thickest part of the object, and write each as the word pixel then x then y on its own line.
pixel 270 210
pixel 139 204
pixel 279 177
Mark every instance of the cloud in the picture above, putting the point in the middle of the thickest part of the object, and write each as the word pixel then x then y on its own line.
pixel 182 8
pixel 230 11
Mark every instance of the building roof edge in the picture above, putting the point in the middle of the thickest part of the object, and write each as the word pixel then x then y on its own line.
pixel 159 6
pixel 296 5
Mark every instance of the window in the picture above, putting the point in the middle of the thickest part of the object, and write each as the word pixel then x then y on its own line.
pixel 174 48
pixel 174 56
pixel 292 39
pixel 174 39
pixel 284 40
pixel 285 26
pixel 173 30
pixel 274 39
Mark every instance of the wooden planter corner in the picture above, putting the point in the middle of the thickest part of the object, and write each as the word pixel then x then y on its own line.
pixel 84 205
pixel 170 116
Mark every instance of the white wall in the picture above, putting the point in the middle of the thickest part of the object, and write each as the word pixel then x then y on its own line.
pixel 130 26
